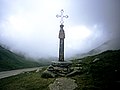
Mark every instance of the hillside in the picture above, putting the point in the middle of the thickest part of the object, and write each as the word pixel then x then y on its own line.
pixel 108 45
pixel 99 72
pixel 10 61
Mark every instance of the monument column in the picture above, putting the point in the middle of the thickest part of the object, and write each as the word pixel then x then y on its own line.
pixel 61 37
pixel 61 44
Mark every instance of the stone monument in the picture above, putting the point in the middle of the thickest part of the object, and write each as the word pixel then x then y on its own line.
pixel 60 67
pixel 61 36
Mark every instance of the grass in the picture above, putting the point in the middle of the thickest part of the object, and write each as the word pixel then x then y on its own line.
pixel 103 74
pixel 26 81
pixel 11 61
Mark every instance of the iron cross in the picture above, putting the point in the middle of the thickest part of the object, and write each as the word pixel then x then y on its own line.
pixel 62 16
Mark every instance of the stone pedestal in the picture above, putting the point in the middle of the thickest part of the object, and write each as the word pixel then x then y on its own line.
pixel 60 68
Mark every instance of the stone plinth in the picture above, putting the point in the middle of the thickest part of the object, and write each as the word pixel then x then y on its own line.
pixel 60 68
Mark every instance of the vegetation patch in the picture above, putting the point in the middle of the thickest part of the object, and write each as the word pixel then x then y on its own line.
pixel 12 61
pixel 98 72
pixel 26 81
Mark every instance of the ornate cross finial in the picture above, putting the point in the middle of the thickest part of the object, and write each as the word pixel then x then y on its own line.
pixel 62 16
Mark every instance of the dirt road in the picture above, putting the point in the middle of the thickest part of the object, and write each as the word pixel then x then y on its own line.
pixel 15 72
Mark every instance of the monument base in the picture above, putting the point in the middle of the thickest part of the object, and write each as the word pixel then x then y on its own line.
pixel 58 68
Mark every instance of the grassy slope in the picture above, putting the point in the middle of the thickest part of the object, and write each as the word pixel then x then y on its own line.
pixel 9 60
pixel 103 74
pixel 26 81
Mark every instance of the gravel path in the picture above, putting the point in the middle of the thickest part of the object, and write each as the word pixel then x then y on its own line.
pixel 5 74
pixel 63 84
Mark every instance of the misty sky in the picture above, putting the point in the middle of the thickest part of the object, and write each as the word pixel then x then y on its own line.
pixel 31 26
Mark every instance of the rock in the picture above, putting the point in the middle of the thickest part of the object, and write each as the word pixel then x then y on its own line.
pixel 96 59
pixel 48 74
pixel 38 70
pixel 63 84
pixel 72 73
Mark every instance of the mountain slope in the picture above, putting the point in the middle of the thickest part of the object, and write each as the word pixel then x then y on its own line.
pixel 108 45
pixel 100 72
pixel 10 60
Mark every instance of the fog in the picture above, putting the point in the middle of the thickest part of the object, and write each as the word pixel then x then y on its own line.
pixel 31 27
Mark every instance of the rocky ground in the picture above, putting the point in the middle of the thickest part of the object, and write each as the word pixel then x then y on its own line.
pixel 63 84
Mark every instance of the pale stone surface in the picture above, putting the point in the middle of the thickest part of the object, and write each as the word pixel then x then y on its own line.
pixel 5 74
pixel 63 84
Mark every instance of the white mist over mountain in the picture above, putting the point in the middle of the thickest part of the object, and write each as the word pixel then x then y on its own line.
pixel 31 27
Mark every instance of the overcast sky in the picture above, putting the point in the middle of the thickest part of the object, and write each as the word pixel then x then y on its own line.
pixel 31 26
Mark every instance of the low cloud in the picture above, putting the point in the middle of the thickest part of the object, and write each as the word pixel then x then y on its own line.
pixel 30 27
